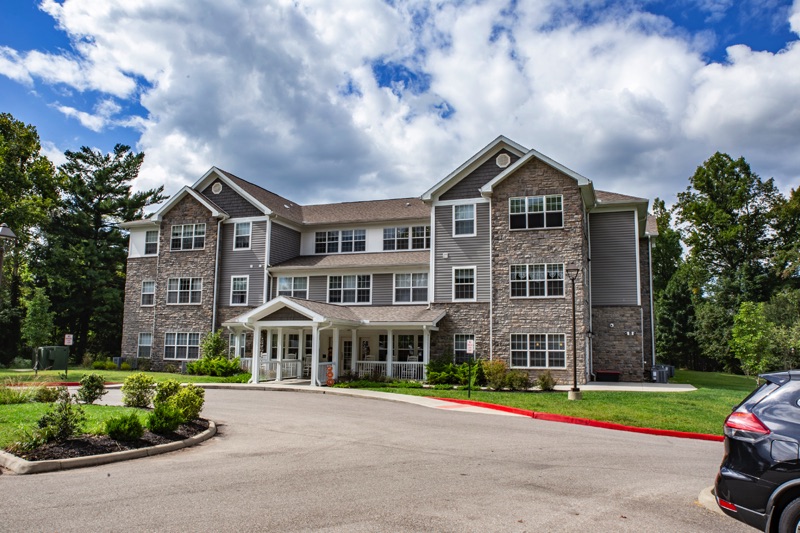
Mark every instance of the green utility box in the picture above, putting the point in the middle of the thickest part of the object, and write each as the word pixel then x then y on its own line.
pixel 52 357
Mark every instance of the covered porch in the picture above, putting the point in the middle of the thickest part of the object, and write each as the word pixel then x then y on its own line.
pixel 294 338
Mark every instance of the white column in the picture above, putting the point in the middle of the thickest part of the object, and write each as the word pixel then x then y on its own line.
pixel 256 360
pixel 356 350
pixel 335 353
pixel 315 356
pixel 426 351
pixel 389 352
pixel 279 373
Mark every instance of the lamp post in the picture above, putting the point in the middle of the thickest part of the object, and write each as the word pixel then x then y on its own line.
pixel 7 239
pixel 574 393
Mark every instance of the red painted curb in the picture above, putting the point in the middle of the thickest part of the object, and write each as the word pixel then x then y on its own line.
pixel 587 422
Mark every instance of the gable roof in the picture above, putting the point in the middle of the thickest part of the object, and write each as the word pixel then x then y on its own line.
pixel 487 189
pixel 367 211
pixel 216 211
pixel 607 200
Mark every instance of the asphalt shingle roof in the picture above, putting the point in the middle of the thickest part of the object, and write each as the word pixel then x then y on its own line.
pixel 377 259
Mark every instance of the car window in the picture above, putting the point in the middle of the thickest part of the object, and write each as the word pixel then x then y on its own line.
pixel 759 394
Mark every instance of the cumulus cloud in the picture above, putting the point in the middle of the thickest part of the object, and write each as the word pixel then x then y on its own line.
pixel 333 100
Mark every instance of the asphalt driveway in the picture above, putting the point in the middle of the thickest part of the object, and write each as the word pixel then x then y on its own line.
pixel 294 461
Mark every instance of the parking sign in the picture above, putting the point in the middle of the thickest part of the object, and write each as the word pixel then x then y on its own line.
pixel 68 339
pixel 470 346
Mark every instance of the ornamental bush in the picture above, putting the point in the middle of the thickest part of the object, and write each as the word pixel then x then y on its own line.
pixel 214 366
pixel 189 400
pixel 518 380
pixel 63 420
pixel 138 390
pixel 495 372
pixel 546 382
pixel 166 390
pixel 92 388
pixel 165 418
pixel 125 427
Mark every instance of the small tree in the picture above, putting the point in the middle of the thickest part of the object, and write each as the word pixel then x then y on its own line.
pixel 751 339
pixel 37 327
pixel 214 345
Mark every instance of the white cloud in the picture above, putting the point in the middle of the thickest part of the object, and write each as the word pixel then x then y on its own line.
pixel 284 94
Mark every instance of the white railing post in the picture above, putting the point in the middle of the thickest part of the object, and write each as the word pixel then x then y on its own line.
pixel 426 352
pixel 389 352
pixel 315 356
pixel 256 363
pixel 356 350
pixel 335 361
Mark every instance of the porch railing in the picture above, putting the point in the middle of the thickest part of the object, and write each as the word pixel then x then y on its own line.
pixel 322 372
pixel 366 369
pixel 290 369
pixel 246 364
pixel 412 371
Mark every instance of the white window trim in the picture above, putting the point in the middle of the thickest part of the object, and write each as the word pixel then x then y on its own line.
pixel 468 335
pixel 182 249
pixel 474 221
pixel 328 289
pixel 249 236
pixel 190 292
pixel 547 351
pixel 278 285
pixel 176 333
pixel 474 283
pixel 246 294
pixel 232 345
pixel 354 241
pixel 412 302
pixel 158 243
pixel 141 296
pixel 546 296
pixel 139 344
pixel 340 241
pixel 544 197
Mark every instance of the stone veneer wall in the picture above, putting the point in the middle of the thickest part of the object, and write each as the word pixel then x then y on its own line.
pixel 137 319
pixel 465 318
pixel 558 245
pixel 614 349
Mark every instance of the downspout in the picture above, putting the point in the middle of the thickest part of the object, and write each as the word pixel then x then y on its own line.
pixel 652 308
pixel 216 276
pixel 491 287
pixel 588 284
pixel 267 260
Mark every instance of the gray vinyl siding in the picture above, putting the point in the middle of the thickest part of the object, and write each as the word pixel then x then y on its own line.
pixel 242 263
pixel 613 254
pixel 318 288
pixel 231 202
pixel 469 185
pixel 382 287
pixel 461 251
pixel 284 244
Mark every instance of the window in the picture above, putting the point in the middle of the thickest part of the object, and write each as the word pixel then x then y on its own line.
pixel 232 345
pixel 188 237
pixel 464 220
pixel 538 350
pixel 295 287
pixel 421 237
pixel 145 344
pixel 464 283
pixel 534 212
pixel 354 240
pixel 327 242
pixel 241 235
pixel 460 347
pixel 537 281
pixel 395 238
pixel 349 289
pixel 151 242
pixel 148 292
pixel 410 288
pixel 181 346
pixel 239 290
pixel 184 290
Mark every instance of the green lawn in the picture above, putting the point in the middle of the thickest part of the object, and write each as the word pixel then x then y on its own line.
pixel 701 411
pixel 15 418
pixel 110 376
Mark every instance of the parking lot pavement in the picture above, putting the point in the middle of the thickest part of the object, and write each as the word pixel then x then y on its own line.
pixel 294 461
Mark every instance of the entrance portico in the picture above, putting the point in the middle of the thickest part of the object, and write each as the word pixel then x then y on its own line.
pixel 295 338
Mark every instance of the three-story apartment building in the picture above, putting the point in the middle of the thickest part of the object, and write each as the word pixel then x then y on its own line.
pixel 480 262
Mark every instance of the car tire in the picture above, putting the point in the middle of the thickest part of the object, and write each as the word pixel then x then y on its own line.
pixel 790 518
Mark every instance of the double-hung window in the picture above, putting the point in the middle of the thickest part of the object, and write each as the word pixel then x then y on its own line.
pixel 354 240
pixel 148 292
pixel 537 281
pixel 151 242
pixel 188 237
pixel 241 235
pixel 239 290
pixel 296 287
pixel 464 220
pixel 464 283
pixel 410 288
pixel 420 237
pixel 536 212
pixel 179 345
pixel 538 350
pixel 460 347
pixel 349 289
pixel 184 290
pixel 326 242
pixel 145 344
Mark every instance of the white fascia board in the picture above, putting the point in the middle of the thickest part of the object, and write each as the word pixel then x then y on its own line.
pixel 175 198
pixel 486 190
pixel 145 222
pixel 215 172
pixel 472 163
pixel 273 305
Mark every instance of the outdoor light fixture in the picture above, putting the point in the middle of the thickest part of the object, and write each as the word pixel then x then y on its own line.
pixel 575 393
pixel 7 240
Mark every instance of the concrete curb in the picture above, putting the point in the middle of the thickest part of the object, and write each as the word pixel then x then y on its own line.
pixel 21 466
pixel 709 501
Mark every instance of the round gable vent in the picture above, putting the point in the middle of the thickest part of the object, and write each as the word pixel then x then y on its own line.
pixel 503 160
pixel 216 188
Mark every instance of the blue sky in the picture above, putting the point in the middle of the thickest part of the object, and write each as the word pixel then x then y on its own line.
pixel 326 100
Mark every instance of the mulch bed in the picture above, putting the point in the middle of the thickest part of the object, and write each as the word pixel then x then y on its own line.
pixel 86 445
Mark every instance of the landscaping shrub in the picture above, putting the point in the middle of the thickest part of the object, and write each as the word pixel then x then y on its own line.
pixel 125 427
pixel 125 366
pixel 189 400
pixel 87 361
pixel 495 372
pixel 213 345
pixel 546 382
pixel 242 377
pixel 518 380
pixel 20 362
pixel 46 394
pixel 166 417
pixel 92 388
pixel 13 392
pixel 98 365
pixel 143 364
pixel 166 390
pixel 137 391
pixel 110 365
pixel 63 420
pixel 215 366
pixel 172 369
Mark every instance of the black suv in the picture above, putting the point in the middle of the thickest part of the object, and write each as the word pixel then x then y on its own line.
pixel 759 480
